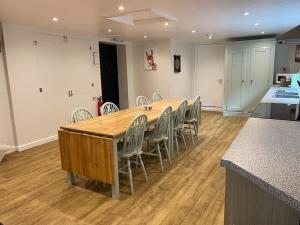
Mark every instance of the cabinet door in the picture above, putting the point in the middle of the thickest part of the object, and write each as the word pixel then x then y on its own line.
pixel 236 76
pixel 260 76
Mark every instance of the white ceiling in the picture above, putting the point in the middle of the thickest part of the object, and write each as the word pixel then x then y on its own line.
pixel 223 18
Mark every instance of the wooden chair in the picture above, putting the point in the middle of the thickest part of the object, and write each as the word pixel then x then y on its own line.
pixel 178 123
pixel 109 107
pixel 141 100
pixel 80 114
pixel 132 146
pixel 156 97
pixel 160 135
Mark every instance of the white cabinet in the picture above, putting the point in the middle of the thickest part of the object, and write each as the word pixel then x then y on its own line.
pixel 249 68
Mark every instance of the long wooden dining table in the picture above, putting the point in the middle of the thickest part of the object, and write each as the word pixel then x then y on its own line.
pixel 89 148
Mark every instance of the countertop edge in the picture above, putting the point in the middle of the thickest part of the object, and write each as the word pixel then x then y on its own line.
pixel 287 199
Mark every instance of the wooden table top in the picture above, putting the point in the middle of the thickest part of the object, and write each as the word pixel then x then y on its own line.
pixel 115 124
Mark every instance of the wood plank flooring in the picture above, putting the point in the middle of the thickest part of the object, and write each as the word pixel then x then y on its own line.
pixel 33 188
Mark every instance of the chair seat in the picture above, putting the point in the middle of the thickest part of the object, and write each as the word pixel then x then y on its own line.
pixel 120 148
pixel 150 136
pixel 190 120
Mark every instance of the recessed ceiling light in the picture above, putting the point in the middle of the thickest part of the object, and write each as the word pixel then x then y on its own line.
pixel 55 19
pixel 109 30
pixel 145 36
pixel 256 24
pixel 193 31
pixel 246 13
pixel 210 36
pixel 121 8
pixel 166 24
pixel 262 32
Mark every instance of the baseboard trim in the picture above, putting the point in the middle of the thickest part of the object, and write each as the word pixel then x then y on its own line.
pixel 36 143
pixel 239 114
pixel 212 108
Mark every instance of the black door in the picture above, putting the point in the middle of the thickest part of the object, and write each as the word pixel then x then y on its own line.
pixel 109 73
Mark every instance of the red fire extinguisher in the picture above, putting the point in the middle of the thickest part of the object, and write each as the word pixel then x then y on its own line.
pixel 99 105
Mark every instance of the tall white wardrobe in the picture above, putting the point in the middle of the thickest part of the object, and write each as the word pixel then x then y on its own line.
pixel 249 69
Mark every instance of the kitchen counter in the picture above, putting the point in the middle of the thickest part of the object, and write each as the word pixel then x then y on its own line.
pixel 269 96
pixel 263 173
pixel 267 152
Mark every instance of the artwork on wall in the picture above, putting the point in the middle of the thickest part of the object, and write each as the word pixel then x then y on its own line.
pixel 177 63
pixel 150 59
pixel 297 54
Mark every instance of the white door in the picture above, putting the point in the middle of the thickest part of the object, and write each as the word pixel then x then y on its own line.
pixel 210 75
pixel 260 75
pixel 236 79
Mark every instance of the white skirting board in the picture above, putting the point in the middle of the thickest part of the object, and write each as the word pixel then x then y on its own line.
pixel 36 143
pixel 20 148
pixel 212 108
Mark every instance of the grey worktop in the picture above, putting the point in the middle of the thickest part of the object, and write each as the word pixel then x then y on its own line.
pixel 267 152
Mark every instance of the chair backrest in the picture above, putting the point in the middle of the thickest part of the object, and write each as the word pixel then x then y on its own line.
pixel 141 100
pixel 162 124
pixel 194 110
pixel 179 115
pixel 134 136
pixel 80 114
pixel 156 97
pixel 109 107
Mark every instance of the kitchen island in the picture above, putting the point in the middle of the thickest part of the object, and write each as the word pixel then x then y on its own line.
pixel 263 174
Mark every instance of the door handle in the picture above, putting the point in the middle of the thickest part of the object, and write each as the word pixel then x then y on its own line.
pixel 251 81
pixel 242 81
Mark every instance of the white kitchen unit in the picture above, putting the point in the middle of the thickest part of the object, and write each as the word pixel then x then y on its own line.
pixel 249 69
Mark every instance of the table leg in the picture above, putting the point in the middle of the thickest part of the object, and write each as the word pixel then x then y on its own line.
pixel 115 186
pixel 70 178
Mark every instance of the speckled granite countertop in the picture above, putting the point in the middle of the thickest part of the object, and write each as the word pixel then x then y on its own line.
pixel 267 152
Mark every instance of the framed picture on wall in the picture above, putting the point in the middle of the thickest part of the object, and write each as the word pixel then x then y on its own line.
pixel 297 54
pixel 177 63
pixel 150 59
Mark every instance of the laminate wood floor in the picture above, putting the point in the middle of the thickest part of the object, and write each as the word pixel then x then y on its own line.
pixel 33 188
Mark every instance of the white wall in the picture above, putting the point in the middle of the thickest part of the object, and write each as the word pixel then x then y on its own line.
pixel 164 80
pixel 6 122
pixel 209 76
pixel 56 66
pixel 285 57
pixel 147 82
pixel 122 76
pixel 182 83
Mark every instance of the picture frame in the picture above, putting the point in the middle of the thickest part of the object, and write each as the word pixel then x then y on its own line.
pixel 150 59
pixel 177 63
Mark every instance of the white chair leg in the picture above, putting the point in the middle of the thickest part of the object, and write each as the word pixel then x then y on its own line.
pixel 196 130
pixel 190 127
pixel 159 156
pixel 176 141
pixel 143 168
pixel 167 150
pixel 130 175
pixel 183 140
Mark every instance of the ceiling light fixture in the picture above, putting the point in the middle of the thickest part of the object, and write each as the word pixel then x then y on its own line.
pixel 121 8
pixel 193 31
pixel 246 13
pixel 210 36
pixel 109 30
pixel 55 19
pixel 145 36
pixel 262 32
pixel 166 24
pixel 256 24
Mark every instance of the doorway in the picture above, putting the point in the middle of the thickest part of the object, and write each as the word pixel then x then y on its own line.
pixel 109 72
